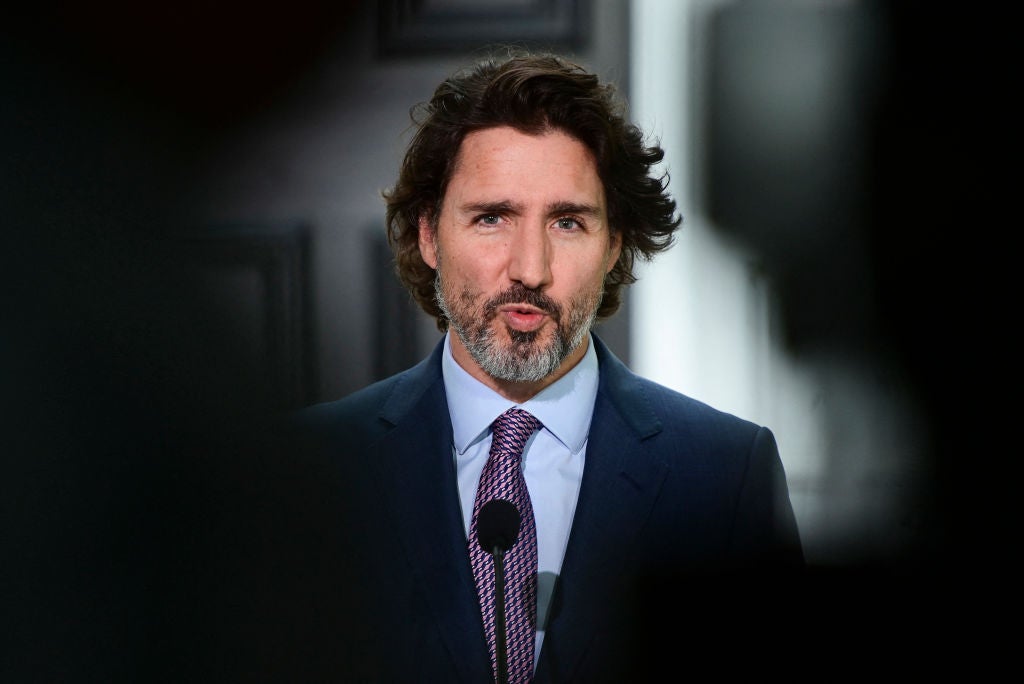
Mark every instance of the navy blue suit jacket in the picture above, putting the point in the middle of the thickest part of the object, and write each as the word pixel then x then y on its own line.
pixel 683 513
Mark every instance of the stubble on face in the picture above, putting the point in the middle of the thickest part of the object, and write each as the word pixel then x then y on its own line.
pixel 526 356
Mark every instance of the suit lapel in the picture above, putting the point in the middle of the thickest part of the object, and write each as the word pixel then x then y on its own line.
pixel 418 483
pixel 621 480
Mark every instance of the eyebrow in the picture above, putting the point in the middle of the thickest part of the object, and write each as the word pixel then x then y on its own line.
pixel 500 207
pixel 508 207
pixel 574 208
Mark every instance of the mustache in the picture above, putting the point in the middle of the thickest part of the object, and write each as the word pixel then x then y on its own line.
pixel 520 294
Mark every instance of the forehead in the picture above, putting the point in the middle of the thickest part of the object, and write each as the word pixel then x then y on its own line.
pixel 512 164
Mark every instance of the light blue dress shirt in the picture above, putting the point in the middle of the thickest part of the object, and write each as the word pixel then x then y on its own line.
pixel 552 458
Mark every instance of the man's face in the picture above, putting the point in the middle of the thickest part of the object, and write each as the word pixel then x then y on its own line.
pixel 521 247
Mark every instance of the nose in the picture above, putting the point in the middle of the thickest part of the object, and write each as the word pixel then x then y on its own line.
pixel 530 257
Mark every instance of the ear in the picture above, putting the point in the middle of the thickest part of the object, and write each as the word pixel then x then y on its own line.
pixel 614 250
pixel 428 241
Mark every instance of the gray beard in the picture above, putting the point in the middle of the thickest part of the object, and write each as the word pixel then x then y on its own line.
pixel 525 359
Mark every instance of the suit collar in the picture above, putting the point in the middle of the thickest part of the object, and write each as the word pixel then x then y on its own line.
pixel 412 384
pixel 620 386
pixel 626 393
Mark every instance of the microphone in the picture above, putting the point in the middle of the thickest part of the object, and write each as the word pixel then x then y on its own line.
pixel 497 526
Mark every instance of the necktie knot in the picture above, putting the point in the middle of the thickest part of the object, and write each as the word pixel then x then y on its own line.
pixel 512 429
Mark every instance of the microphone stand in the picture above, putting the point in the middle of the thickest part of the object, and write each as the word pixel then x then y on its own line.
pixel 497 529
pixel 500 645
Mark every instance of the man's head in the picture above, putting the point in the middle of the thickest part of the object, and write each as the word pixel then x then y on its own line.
pixel 524 184
pixel 521 247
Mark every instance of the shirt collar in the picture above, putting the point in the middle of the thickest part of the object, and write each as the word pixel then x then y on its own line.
pixel 564 407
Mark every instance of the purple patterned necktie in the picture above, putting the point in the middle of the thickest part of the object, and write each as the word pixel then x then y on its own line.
pixel 502 478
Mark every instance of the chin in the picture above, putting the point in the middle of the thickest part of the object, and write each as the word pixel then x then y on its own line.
pixel 519 338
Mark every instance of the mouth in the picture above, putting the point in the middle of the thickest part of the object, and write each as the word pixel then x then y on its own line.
pixel 522 317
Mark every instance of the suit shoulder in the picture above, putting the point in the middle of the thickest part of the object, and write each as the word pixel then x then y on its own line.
pixel 368 413
pixel 677 422
pixel 672 405
pixel 651 408
pixel 718 448
pixel 365 402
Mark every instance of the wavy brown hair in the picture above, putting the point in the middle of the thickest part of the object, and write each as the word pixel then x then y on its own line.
pixel 532 93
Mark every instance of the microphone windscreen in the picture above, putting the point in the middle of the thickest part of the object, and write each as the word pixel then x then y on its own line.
pixel 497 525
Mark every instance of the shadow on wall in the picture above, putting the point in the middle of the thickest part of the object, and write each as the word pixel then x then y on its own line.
pixel 844 143
pixel 830 154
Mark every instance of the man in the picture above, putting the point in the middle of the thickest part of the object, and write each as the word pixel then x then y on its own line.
pixel 523 202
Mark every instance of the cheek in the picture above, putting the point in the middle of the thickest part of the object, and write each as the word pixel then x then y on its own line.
pixel 458 279
pixel 468 269
pixel 589 273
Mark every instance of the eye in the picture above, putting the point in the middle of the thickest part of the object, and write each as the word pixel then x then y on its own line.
pixel 489 219
pixel 568 223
